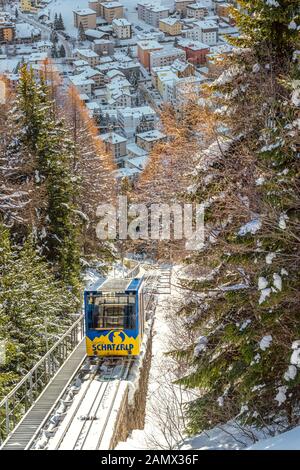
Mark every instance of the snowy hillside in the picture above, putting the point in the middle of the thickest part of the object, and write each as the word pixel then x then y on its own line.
pixel 289 440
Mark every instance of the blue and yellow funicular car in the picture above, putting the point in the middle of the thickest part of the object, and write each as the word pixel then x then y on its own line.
pixel 114 317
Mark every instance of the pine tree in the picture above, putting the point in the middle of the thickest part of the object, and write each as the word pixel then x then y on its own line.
pixel 81 33
pixel 38 159
pixel 54 37
pixel 242 304
pixel 62 51
pixel 29 296
pixel 55 22
pixel 60 23
pixel 54 53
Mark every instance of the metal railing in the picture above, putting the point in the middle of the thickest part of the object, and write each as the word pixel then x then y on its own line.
pixel 14 406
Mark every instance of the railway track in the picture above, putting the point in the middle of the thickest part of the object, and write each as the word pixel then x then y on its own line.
pixel 164 281
pixel 80 419
pixel 86 407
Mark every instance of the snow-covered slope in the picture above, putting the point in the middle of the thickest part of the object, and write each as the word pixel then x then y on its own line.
pixel 289 440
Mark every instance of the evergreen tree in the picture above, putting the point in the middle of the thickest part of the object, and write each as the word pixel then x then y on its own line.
pixel 55 22
pixel 81 33
pixel 38 158
pixel 60 23
pixel 54 37
pixel 16 13
pixel 243 305
pixel 30 296
pixel 54 53
pixel 62 51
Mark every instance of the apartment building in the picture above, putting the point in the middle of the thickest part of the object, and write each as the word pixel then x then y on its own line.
pixel 85 16
pixel 115 144
pixel 196 52
pixel 129 119
pixel 103 47
pixel 144 49
pixel 122 28
pixel 95 5
pixel 147 140
pixel 111 10
pixel 152 13
pixel 170 26
pixel 204 31
pixel 197 10
pixel 7 32
pixel 180 5
pixel 166 56
pixel 88 55
pixel 29 6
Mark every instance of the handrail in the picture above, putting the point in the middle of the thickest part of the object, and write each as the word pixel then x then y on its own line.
pixel 17 402
pixel 29 374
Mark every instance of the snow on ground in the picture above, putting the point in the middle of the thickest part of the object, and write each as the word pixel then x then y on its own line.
pixel 289 440
pixel 225 437
pixel 163 421
pixel 66 7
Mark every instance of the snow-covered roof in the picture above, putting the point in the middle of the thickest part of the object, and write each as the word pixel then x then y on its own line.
pixel 43 44
pixel 80 63
pixel 121 22
pixel 166 75
pixel 207 24
pixel 151 136
pixel 136 150
pixel 80 80
pixel 167 52
pixel 199 5
pixel 112 4
pixel 126 172
pixel 84 97
pixel 137 112
pixel 25 30
pixel 92 105
pixel 84 11
pixel 180 65
pixel 114 72
pixel 137 162
pixel 113 138
pixel 149 44
pixel 86 53
pixel 193 45
pixel 37 57
pixel 89 72
pixel 94 33
pixel 169 21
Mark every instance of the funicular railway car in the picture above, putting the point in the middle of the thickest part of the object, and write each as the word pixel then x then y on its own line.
pixel 114 317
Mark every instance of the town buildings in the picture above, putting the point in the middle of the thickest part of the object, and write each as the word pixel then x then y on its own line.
pixel 152 13
pixel 166 56
pixel 111 10
pixel 170 26
pixel 144 49
pixel 7 30
pixel 181 5
pixel 196 51
pixel 122 28
pixel 86 17
pixel 197 10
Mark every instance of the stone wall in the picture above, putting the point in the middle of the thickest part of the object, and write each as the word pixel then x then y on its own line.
pixel 133 407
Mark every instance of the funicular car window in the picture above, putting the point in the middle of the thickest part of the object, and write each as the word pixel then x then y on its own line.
pixel 110 312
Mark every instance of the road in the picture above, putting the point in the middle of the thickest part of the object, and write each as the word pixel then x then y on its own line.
pixel 30 20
